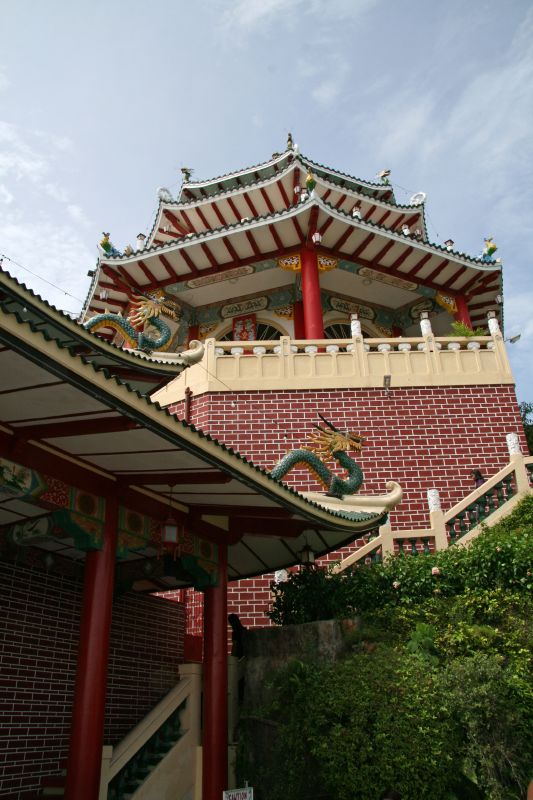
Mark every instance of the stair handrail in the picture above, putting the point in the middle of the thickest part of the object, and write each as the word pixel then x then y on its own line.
pixel 479 491
pixel 518 465
pixel 188 688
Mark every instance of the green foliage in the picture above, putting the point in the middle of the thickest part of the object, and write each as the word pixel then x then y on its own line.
pixel 422 642
pixel 310 595
pixel 462 329
pixel 526 412
pixel 377 721
pixel 501 557
pixel 436 696
pixel 494 709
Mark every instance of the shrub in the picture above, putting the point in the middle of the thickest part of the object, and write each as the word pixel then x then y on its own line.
pixel 376 721
pixel 501 556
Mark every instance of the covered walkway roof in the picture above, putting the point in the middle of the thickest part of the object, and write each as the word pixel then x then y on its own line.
pixel 66 415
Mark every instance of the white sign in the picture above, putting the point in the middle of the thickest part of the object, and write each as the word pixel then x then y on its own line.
pixel 244 307
pixel 239 794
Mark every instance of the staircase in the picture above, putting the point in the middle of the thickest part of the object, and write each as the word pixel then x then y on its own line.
pixel 160 756
pixel 161 753
pixel 462 523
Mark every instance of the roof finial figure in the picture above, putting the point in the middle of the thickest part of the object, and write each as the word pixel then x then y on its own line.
pixel 164 194
pixel 489 249
pixel 107 246
pixel 186 172
pixel 384 175
pixel 290 142
pixel 310 182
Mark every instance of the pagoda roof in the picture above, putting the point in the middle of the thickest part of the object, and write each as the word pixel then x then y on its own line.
pixel 200 211
pixel 387 252
pixel 270 168
pixel 74 421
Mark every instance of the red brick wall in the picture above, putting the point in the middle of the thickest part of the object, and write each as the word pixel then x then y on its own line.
pixel 38 650
pixel 429 437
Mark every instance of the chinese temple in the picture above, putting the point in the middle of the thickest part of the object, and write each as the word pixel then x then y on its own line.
pixel 284 369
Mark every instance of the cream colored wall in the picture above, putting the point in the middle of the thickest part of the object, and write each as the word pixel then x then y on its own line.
pixel 294 368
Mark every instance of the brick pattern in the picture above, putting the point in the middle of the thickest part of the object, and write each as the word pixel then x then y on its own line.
pixel 38 650
pixel 428 437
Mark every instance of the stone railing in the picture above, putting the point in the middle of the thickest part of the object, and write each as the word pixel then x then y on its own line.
pixel 162 752
pixel 343 363
pixel 487 504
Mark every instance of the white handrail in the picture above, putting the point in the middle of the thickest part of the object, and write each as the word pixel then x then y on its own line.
pixel 187 691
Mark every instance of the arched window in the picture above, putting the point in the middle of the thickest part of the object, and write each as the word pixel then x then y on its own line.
pixel 264 332
pixel 340 330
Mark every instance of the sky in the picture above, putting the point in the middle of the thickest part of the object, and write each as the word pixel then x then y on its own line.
pixel 101 103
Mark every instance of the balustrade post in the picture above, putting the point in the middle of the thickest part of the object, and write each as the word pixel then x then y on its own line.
pixel 516 458
pixel 499 345
pixel 387 539
pixel 436 518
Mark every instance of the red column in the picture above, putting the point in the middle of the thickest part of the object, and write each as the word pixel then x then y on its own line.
pixel 193 332
pixel 87 732
pixel 462 314
pixel 314 324
pixel 298 318
pixel 215 738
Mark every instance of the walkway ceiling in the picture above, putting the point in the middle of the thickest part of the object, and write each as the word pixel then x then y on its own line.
pixel 73 420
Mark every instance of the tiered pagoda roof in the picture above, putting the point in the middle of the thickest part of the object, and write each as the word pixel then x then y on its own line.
pixel 265 212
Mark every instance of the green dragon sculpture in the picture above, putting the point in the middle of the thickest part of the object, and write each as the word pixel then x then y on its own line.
pixel 329 443
pixel 146 312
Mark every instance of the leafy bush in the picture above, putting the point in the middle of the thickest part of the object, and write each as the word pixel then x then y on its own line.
pixel 501 556
pixel 376 721
pixel 494 708
pixel 436 697
pixel 462 329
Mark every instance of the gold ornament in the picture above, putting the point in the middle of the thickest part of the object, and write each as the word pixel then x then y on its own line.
pixel 291 263
pixel 326 263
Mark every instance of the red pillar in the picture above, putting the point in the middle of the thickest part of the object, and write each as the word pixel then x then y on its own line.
pixel 193 332
pixel 462 314
pixel 314 324
pixel 87 732
pixel 298 318
pixel 215 738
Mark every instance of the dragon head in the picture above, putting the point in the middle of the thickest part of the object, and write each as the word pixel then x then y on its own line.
pixel 152 305
pixel 328 440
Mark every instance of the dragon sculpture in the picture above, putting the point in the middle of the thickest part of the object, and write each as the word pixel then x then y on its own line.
pixel 146 312
pixel 326 444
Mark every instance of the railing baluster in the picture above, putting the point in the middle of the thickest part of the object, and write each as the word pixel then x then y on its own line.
pixel 414 551
pixel 425 542
pixel 451 530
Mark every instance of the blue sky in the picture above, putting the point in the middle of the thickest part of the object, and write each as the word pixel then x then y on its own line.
pixel 102 102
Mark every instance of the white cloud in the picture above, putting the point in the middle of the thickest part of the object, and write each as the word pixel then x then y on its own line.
pixel 78 215
pixel 5 195
pixel 398 125
pixel 47 238
pixel 327 91
pixel 55 256
pixel 56 192
pixel 249 13
pixel 4 82
pixel 17 158
pixel 261 14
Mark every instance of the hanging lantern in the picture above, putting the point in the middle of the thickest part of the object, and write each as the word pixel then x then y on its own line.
pixel 307 556
pixel 169 530
pixel 316 237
